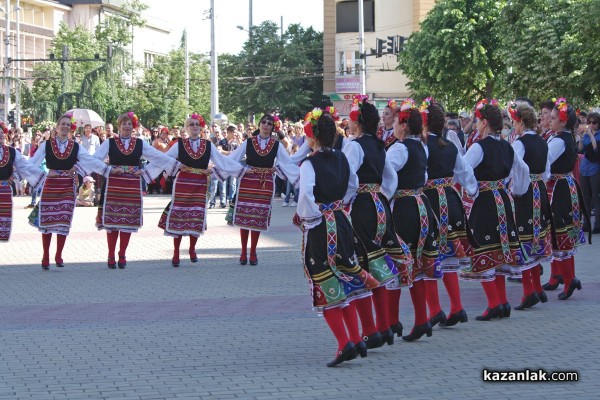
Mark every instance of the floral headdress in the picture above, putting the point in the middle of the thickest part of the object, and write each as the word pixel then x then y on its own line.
pixel 72 119
pixel 482 105
pixel 392 104
pixel 199 118
pixel 515 115
pixel 134 119
pixel 424 108
pixel 311 119
pixel 331 110
pixel 276 123
pixel 562 106
pixel 404 110
pixel 357 102
pixel 3 127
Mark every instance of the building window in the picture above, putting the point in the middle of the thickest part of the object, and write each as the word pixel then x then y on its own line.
pixel 348 63
pixel 347 16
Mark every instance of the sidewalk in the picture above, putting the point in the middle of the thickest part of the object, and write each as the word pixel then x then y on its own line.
pixel 219 330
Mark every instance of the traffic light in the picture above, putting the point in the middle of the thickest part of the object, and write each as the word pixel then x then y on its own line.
pixel 400 43
pixel 392 45
pixel 380 45
pixel 11 117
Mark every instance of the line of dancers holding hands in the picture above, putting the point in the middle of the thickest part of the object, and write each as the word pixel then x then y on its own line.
pixel 393 208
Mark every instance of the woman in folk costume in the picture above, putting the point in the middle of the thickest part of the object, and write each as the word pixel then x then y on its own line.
pixel 186 213
pixel 13 166
pixel 445 167
pixel 120 209
pixel 532 210
pixel 568 209
pixel 64 159
pixel 386 131
pixel 387 258
pixel 252 209
pixel 494 236
pixel 414 219
pixel 331 265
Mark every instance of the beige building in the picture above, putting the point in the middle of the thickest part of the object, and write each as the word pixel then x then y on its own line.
pixel 341 62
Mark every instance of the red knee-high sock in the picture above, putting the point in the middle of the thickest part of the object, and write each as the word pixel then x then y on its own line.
pixel 555 270
pixel 123 243
pixel 193 241
pixel 567 273
pixel 60 245
pixel 527 280
pixel 453 289
pixel 418 296
pixel 254 235
pixel 46 239
pixel 364 307
pixel 394 306
pixel 351 320
pixel 335 319
pixel 244 233
pixel 380 300
pixel 501 289
pixel 536 279
pixel 432 297
pixel 176 244
pixel 491 293
pixel 111 239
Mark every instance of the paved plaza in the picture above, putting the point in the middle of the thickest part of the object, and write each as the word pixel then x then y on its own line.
pixel 219 330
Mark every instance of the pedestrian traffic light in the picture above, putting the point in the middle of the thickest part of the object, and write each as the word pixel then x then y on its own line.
pixel 380 45
pixel 11 117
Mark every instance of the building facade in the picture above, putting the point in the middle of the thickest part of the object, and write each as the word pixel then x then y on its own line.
pixel 341 62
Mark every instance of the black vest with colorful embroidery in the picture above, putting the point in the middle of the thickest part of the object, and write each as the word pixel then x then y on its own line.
pixel 6 163
pixel 497 161
pixel 55 160
pixel 536 153
pixel 255 157
pixel 117 154
pixel 187 157
pixel 566 162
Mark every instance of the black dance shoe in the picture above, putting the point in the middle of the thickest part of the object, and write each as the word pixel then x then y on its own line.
pixel 490 313
pixel 347 354
pixel 418 331
pixel 543 297
pixel 253 259
pixel 373 341
pixel 575 284
pixel 506 313
pixel 397 329
pixel 122 263
pixel 193 256
pixel 454 319
pixel 528 301
pixel 439 318
pixel 111 263
pixel 361 349
pixel 387 336
pixel 243 260
pixel 45 265
pixel 559 281
pixel 174 263
pixel 59 262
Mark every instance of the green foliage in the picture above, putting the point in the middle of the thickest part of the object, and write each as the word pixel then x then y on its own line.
pixel 273 73
pixel 454 56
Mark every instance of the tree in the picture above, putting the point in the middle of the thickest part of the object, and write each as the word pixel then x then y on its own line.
pixel 273 73
pixel 454 57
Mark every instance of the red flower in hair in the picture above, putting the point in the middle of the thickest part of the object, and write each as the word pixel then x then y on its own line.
pixel 199 118
pixel 134 119
pixel 73 120
pixel 482 105
pixel 514 113
pixel 562 107
pixel 404 110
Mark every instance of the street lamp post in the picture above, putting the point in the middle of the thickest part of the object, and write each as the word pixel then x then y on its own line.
pixel 6 63
pixel 214 68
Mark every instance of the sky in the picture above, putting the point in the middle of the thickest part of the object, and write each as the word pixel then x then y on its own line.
pixel 190 15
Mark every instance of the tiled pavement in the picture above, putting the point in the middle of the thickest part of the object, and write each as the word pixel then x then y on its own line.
pixel 219 330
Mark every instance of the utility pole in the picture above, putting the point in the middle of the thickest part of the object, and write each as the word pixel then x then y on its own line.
pixel 250 19
pixel 6 63
pixel 18 83
pixel 361 44
pixel 214 69
pixel 187 69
